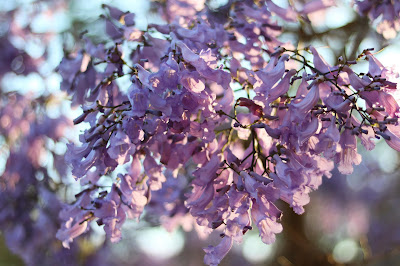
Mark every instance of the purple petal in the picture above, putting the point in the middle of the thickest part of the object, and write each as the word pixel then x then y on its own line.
pixel 214 255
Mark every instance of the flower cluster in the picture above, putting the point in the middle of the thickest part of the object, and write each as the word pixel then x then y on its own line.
pixel 181 112
pixel 31 146
pixel 28 185
pixel 216 124
pixel 386 14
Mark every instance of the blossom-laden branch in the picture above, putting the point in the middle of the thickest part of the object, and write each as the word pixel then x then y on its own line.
pixel 180 112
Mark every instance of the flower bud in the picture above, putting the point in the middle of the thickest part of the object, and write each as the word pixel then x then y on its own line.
pixel 383 135
pixel 108 112
pixel 101 119
pixel 99 129
pixel 260 178
pixel 240 184
pixel 392 120
pixel 100 142
pixel 80 118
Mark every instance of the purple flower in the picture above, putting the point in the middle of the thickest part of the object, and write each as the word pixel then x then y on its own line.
pixel 348 155
pixel 120 147
pixel 214 255
pixel 205 64
pixel 70 231
pixel 266 216
pixel 139 99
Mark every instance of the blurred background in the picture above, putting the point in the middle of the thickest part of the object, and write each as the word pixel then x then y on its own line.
pixel 351 219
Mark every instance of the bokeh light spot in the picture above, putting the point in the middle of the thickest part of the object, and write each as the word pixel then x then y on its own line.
pixel 345 251
pixel 159 244
pixel 255 251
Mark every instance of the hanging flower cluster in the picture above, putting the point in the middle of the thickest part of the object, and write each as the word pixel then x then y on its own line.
pixel 28 199
pixel 386 14
pixel 218 122
pixel 32 166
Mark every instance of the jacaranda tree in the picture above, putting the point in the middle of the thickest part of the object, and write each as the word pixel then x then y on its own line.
pixel 207 118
